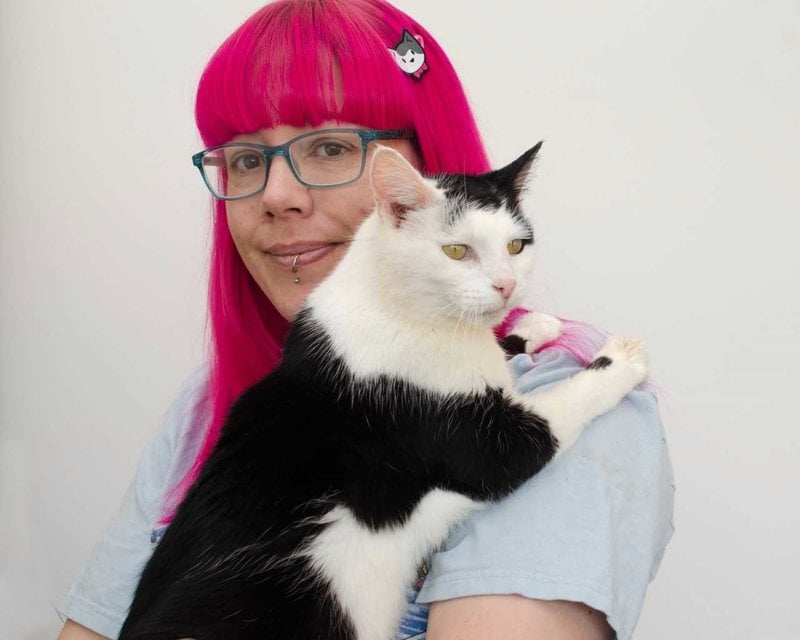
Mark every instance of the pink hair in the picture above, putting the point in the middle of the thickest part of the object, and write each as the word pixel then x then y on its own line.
pixel 302 63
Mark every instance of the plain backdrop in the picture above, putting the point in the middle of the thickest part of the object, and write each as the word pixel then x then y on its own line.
pixel 666 202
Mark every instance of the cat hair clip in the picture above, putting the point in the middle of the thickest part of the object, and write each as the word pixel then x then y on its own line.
pixel 409 55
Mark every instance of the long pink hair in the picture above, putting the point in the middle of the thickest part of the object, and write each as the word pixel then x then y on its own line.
pixel 302 63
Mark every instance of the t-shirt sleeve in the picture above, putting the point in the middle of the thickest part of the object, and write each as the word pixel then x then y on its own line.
pixel 102 591
pixel 591 527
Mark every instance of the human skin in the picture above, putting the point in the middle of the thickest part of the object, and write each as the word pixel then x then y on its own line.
pixel 287 213
pixel 497 617
pixel 514 617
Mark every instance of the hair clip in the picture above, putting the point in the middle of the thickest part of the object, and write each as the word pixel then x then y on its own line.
pixel 409 55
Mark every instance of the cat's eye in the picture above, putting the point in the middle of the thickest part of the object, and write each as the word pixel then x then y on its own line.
pixel 515 246
pixel 455 251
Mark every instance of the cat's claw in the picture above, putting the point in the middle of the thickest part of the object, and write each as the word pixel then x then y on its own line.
pixel 536 329
pixel 630 353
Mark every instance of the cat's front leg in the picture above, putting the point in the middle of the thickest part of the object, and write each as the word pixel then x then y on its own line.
pixel 531 331
pixel 573 403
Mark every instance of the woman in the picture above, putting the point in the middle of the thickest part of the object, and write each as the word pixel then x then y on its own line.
pixel 567 556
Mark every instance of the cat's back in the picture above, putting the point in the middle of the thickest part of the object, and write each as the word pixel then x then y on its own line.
pixel 295 423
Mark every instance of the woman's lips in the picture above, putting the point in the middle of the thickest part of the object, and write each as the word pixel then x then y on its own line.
pixel 284 255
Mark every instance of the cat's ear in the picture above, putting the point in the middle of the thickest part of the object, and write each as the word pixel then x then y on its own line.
pixel 398 187
pixel 515 175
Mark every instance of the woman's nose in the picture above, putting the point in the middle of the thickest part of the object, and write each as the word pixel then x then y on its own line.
pixel 284 195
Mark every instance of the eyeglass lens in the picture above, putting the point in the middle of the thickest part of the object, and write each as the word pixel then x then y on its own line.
pixel 321 159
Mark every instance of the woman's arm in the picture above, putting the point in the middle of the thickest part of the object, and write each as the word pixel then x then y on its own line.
pixel 74 631
pixel 511 617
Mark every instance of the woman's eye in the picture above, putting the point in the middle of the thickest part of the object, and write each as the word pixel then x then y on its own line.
pixel 246 162
pixel 515 246
pixel 330 149
pixel 455 251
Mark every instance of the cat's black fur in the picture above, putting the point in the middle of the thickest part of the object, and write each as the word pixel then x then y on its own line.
pixel 501 188
pixel 294 445
pixel 303 440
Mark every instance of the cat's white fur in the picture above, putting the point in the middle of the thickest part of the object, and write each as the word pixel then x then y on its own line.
pixel 369 571
pixel 442 342
pixel 397 338
pixel 537 328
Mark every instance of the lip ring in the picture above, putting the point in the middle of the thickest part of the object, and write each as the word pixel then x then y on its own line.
pixel 294 263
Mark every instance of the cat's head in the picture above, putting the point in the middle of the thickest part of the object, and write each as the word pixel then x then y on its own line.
pixel 408 53
pixel 456 247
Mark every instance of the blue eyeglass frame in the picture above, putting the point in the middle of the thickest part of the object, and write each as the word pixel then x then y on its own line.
pixel 366 136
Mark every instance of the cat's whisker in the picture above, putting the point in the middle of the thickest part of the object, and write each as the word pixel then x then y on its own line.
pixel 440 314
pixel 454 335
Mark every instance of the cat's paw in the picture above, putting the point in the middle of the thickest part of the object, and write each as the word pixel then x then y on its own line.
pixel 629 353
pixel 537 329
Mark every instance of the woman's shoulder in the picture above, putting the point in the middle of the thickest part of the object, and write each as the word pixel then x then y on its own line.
pixel 185 424
pixel 185 414
pixel 636 415
pixel 546 366
pixel 171 451
pixel 561 534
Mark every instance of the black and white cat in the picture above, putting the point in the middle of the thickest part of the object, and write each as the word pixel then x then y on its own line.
pixel 391 418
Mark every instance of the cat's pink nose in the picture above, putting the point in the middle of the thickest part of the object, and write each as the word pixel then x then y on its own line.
pixel 505 286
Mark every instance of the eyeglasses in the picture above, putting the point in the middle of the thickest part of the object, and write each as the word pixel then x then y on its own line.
pixel 326 158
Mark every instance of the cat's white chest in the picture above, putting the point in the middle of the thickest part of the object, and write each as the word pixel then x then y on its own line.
pixel 442 362
pixel 368 571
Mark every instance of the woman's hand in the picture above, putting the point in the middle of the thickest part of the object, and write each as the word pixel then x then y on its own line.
pixel 512 617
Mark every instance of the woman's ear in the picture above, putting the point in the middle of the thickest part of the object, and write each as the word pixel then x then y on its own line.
pixel 397 186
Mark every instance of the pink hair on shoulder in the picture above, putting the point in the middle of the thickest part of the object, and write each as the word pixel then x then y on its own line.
pixel 302 63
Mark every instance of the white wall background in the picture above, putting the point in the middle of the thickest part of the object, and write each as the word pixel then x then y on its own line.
pixel 667 201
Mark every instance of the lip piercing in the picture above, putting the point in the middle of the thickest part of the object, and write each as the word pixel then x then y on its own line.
pixel 294 268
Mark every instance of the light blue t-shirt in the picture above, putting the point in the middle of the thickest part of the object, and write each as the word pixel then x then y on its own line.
pixel 591 527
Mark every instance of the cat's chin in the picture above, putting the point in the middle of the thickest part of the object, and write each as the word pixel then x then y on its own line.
pixel 494 318
pixel 490 317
